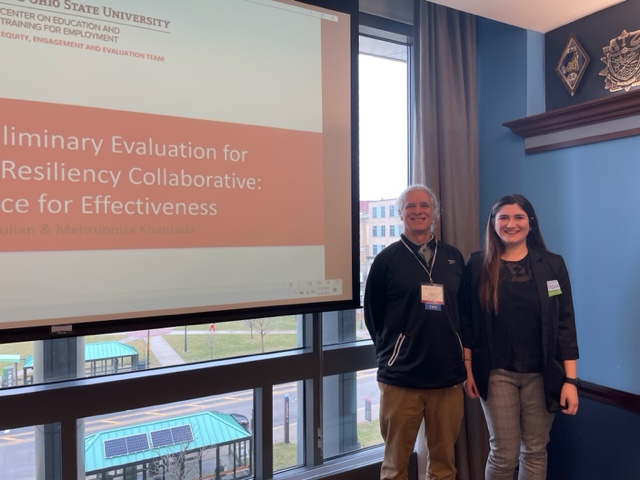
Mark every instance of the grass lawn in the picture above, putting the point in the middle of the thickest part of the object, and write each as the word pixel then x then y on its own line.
pixel 369 433
pixel 230 339
pixel 234 339
pixel 276 323
pixel 284 454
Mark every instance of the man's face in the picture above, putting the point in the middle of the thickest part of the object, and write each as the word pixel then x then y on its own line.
pixel 417 213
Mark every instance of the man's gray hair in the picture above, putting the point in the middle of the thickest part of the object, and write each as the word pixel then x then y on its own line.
pixel 400 203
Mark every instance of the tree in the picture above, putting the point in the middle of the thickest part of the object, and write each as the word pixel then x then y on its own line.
pixel 249 323
pixel 182 465
pixel 262 326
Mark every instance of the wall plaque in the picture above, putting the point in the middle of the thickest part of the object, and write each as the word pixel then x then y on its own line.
pixel 572 64
pixel 622 57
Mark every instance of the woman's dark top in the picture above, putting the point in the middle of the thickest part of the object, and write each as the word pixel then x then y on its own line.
pixel 517 329
pixel 556 315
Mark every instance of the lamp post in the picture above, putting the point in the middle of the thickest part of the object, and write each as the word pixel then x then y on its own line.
pixel 185 340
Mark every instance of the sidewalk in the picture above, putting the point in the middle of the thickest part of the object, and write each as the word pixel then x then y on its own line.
pixel 164 352
pixel 167 355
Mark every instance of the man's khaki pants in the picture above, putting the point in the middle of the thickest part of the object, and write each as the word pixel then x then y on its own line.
pixel 401 413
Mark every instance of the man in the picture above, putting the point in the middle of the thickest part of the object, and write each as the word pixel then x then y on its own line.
pixel 411 312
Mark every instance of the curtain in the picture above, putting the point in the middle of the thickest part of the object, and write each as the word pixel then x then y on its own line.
pixel 446 118
pixel 445 153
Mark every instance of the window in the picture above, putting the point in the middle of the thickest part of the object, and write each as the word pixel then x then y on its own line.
pixel 288 430
pixel 351 399
pixel 358 418
pixel 377 248
pixel 379 231
pixel 378 212
pixel 290 406
pixel 23 363
pixel 190 439
pixel 384 131
pixel 19 444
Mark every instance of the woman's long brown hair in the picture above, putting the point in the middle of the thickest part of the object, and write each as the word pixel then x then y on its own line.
pixel 494 248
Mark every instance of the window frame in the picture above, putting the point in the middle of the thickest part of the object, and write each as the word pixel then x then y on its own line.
pixel 261 373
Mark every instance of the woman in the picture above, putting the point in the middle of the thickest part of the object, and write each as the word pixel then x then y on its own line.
pixel 519 339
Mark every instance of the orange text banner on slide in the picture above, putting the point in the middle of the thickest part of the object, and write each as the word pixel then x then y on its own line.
pixel 81 178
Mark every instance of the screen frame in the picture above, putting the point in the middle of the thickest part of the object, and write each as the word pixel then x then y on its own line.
pixel 83 328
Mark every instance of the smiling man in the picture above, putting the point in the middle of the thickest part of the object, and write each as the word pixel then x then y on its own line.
pixel 411 311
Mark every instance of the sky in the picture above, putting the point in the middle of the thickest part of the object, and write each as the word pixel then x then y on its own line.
pixel 383 127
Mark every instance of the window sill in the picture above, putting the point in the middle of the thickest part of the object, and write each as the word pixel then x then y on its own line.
pixel 607 118
pixel 362 464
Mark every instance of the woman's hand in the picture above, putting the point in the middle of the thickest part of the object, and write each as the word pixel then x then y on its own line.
pixel 569 399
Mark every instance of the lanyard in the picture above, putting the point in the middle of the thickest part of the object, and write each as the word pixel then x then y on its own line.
pixel 433 259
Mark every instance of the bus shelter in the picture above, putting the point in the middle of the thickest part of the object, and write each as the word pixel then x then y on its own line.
pixel 208 445
pixel 101 358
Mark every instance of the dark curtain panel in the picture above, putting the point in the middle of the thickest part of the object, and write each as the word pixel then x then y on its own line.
pixel 446 118
pixel 446 159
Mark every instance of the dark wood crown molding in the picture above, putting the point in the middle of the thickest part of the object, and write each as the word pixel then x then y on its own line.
pixel 593 112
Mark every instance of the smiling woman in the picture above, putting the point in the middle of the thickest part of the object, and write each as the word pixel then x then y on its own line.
pixel 512 226
pixel 517 298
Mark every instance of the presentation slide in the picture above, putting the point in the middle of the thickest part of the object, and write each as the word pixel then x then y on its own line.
pixel 166 158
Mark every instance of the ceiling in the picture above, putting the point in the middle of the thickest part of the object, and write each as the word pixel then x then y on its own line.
pixel 537 15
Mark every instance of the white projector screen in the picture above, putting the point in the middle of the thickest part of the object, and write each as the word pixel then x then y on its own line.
pixel 168 159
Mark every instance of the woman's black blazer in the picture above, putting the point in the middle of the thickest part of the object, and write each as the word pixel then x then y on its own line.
pixel 559 341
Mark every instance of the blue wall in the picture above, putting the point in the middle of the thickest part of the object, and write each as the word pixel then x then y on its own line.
pixel 601 443
pixel 587 199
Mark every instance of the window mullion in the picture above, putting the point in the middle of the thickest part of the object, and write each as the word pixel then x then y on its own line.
pixel 313 392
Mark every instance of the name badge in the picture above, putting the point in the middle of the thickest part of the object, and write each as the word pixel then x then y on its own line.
pixel 553 287
pixel 432 296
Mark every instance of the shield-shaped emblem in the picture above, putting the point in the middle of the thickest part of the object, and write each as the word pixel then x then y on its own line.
pixel 622 60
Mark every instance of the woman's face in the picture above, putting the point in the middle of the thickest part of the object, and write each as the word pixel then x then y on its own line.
pixel 512 225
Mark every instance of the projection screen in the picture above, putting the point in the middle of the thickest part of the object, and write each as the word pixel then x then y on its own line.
pixel 173 158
